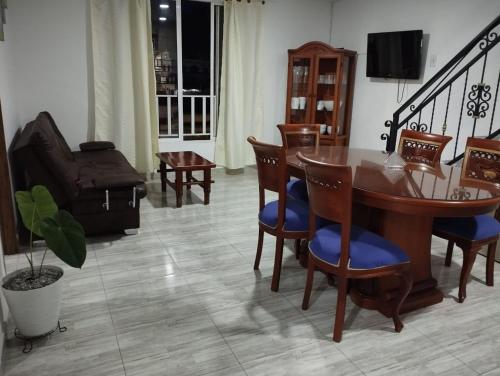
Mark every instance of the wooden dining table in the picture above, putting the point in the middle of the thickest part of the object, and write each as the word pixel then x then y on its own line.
pixel 400 205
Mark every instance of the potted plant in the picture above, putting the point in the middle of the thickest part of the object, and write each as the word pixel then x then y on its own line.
pixel 34 293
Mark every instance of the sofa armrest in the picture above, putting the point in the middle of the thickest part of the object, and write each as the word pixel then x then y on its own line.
pixel 96 145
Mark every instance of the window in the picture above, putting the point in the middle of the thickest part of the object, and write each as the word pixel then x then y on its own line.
pixel 187 37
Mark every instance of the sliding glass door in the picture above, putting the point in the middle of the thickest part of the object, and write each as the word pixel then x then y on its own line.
pixel 187 37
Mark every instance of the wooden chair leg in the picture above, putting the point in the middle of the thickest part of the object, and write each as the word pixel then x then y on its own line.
pixel 259 250
pixel 297 248
pixel 469 258
pixel 490 263
pixel 278 256
pixel 340 312
pixel 405 285
pixel 449 253
pixel 309 283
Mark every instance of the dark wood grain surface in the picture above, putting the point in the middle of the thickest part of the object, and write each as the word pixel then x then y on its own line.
pixel 400 205
pixel 185 160
pixel 415 189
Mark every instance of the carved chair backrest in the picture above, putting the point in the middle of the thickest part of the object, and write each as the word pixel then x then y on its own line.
pixel 272 173
pixel 330 197
pixel 296 135
pixel 481 160
pixel 419 147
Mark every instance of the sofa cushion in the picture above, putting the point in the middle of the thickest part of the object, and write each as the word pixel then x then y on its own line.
pixel 59 138
pixel 96 145
pixel 79 181
pixel 52 152
pixel 105 169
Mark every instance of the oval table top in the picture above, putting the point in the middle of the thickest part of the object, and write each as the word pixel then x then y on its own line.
pixel 417 189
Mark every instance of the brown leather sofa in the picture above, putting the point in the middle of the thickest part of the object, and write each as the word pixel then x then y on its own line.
pixel 96 184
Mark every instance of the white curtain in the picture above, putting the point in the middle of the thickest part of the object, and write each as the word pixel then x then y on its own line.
pixel 124 81
pixel 240 111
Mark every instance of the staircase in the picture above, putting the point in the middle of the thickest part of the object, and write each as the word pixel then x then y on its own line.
pixel 460 100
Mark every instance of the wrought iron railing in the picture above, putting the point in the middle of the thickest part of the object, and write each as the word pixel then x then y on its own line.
pixel 460 100
pixel 197 120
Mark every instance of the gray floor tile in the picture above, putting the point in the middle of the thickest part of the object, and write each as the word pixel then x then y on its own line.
pixel 181 298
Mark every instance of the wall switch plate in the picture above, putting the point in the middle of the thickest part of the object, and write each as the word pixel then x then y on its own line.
pixel 433 60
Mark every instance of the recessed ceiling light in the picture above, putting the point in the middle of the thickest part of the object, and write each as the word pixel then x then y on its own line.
pixel 162 19
pixel 164 6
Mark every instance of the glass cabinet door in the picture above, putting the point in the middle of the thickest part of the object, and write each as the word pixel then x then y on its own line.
pixel 299 96
pixel 325 81
pixel 343 97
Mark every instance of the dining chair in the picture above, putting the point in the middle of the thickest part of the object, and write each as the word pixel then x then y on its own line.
pixel 420 147
pixel 298 135
pixel 345 250
pixel 481 165
pixel 285 218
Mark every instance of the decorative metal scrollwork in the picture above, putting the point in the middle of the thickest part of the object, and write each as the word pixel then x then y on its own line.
pixel 334 186
pixel 412 107
pixel 487 40
pixel 268 160
pixel 479 97
pixel 385 136
pixel 460 194
pixel 419 127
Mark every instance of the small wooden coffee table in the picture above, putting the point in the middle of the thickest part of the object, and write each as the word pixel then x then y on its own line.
pixel 187 161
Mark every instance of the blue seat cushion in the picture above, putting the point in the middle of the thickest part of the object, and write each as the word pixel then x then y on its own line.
pixel 296 215
pixel 297 189
pixel 472 228
pixel 367 250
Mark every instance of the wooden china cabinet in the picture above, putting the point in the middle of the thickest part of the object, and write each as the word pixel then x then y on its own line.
pixel 320 89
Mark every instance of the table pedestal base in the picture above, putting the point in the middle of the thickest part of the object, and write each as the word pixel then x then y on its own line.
pixel 418 298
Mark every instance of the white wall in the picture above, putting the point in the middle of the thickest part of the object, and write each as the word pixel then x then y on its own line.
pixel 49 40
pixel 49 63
pixel 450 24
pixel 287 24
pixel 7 97
pixel 10 124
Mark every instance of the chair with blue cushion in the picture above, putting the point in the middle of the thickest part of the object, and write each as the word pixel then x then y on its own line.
pixel 293 136
pixel 285 218
pixel 345 250
pixel 481 166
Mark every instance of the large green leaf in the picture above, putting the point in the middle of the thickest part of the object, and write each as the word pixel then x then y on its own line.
pixel 65 237
pixel 35 206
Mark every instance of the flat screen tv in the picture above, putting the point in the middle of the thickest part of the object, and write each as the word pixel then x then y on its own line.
pixel 394 54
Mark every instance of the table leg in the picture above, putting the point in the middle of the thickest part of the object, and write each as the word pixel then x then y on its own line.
pixel 189 177
pixel 178 187
pixel 207 181
pixel 163 175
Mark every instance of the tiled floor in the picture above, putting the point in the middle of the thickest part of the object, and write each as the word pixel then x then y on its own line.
pixel 181 298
